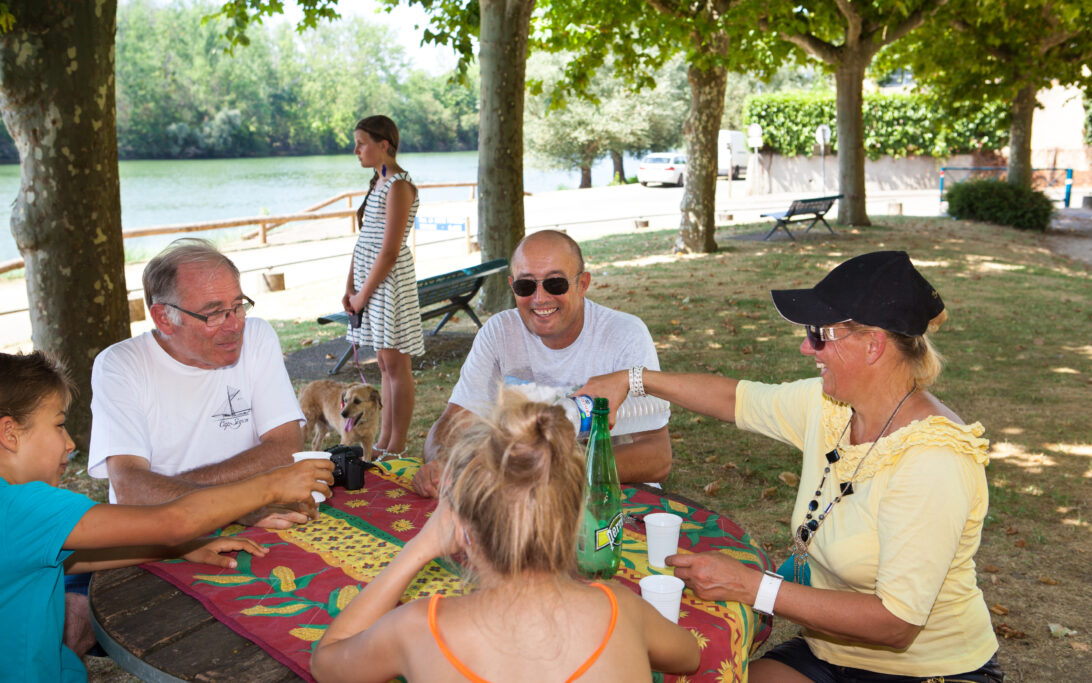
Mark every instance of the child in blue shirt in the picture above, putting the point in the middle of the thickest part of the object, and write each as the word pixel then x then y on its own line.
pixel 46 531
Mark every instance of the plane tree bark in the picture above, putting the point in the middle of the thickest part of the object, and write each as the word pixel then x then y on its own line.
pixel 57 99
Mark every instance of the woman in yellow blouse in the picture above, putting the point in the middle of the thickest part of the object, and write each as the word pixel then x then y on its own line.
pixel 892 492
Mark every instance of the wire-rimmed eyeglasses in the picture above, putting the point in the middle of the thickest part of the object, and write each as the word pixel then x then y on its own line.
pixel 218 318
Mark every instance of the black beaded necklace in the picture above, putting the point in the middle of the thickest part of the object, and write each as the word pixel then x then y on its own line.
pixel 806 531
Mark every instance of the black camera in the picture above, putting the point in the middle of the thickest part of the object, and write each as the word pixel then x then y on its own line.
pixel 355 319
pixel 349 466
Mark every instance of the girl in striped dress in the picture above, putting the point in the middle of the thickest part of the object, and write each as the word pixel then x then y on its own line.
pixel 382 284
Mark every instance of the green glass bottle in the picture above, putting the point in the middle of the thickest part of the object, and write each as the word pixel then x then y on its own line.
pixel 599 544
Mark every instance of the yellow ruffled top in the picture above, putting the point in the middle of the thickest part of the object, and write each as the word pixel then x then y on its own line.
pixel 934 431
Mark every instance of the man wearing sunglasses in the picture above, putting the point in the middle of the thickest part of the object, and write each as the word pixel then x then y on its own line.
pixel 202 399
pixel 553 337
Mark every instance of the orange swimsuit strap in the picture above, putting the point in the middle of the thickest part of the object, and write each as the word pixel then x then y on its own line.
pixel 471 676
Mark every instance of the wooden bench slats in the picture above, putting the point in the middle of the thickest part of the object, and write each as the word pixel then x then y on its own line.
pixel 452 291
pixel 813 209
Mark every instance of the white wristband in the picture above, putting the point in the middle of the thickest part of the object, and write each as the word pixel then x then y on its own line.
pixel 767 593
pixel 636 381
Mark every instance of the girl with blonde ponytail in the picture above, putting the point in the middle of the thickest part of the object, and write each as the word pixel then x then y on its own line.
pixel 510 499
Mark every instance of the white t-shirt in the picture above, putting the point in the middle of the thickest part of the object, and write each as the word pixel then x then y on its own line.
pixel 178 417
pixel 506 351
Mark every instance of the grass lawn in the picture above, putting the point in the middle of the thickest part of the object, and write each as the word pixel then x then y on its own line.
pixel 1018 344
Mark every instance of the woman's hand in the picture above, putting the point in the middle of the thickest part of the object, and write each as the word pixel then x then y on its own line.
pixel 613 386
pixel 209 552
pixel 716 576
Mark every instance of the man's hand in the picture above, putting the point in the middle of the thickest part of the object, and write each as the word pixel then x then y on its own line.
pixel 280 517
pixel 613 386
pixel 716 576
pixel 426 481
pixel 209 552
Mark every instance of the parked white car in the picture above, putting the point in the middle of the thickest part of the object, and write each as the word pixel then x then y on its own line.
pixel 666 169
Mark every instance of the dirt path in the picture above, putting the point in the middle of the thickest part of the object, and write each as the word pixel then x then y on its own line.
pixel 1071 234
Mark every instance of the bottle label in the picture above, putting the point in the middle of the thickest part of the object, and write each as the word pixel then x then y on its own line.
pixel 610 535
pixel 584 407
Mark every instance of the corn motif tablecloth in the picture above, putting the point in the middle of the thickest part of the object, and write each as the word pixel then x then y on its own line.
pixel 283 602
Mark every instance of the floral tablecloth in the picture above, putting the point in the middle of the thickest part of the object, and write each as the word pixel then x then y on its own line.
pixel 284 601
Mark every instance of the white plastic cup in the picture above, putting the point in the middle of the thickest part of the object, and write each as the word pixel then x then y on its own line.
pixel 662 536
pixel 312 455
pixel 663 592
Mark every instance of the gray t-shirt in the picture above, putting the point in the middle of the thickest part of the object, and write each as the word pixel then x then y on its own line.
pixel 506 351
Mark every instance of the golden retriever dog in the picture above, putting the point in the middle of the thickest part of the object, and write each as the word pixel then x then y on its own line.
pixel 350 410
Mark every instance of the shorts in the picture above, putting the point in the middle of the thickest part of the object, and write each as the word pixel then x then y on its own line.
pixel 796 654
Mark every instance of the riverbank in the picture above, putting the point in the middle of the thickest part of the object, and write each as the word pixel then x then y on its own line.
pixel 313 257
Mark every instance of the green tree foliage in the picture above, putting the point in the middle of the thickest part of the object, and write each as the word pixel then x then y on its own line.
pixel 981 51
pixel 577 132
pixel 180 94
pixel 894 124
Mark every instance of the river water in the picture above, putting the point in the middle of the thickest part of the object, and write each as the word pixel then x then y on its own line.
pixel 170 192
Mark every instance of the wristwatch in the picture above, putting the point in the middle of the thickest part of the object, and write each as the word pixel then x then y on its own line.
pixel 767 592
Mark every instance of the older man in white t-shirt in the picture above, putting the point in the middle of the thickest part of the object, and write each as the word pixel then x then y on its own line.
pixel 202 399
pixel 553 337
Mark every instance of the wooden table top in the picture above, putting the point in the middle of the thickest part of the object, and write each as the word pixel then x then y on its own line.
pixel 128 607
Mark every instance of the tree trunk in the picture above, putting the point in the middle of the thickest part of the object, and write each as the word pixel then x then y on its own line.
pixel 1023 111
pixel 585 177
pixel 57 98
pixel 504 28
pixel 697 226
pixel 619 175
pixel 848 79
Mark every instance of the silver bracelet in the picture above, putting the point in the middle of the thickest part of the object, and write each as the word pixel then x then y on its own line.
pixel 636 381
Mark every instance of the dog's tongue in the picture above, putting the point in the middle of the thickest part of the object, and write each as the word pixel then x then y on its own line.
pixel 349 422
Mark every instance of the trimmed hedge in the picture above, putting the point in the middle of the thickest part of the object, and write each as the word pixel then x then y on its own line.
pixel 897 125
pixel 996 201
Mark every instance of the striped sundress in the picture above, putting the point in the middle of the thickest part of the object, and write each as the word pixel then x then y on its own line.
pixel 392 318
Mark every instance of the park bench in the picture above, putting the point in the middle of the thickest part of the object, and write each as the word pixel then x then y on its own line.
pixel 440 295
pixel 802 210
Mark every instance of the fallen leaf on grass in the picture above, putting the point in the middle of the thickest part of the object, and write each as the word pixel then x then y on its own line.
pixel 991 569
pixel 999 610
pixel 307 342
pixel 1048 581
pixel 729 466
pixel 712 487
pixel 1012 531
pixel 789 478
pixel 711 458
pixel 994 580
pixel 1021 543
pixel 1007 632
pixel 769 492
pixel 1059 631
pixel 1080 647
pixel 1038 341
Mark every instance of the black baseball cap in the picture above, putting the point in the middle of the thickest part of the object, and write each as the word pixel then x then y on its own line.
pixel 881 289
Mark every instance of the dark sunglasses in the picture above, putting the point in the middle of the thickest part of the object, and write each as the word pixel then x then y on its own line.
pixel 553 285
pixel 819 336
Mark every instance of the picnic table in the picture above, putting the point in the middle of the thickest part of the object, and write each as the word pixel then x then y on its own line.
pixel 260 621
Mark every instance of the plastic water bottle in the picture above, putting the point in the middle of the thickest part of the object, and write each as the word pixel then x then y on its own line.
pixel 636 414
pixel 599 543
